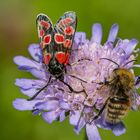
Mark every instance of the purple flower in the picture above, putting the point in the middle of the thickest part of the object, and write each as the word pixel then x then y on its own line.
pixel 87 70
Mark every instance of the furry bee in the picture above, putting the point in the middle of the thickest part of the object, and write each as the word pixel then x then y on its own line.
pixel 121 97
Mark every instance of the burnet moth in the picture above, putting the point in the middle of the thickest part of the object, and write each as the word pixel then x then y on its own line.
pixel 56 45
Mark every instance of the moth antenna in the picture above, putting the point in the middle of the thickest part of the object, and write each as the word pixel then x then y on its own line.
pixel 111 61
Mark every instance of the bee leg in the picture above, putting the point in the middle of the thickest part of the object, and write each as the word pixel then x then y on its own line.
pixel 100 112
pixel 36 94
pixel 105 82
pixel 82 108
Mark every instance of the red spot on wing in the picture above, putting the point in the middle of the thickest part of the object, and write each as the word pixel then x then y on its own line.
pixel 41 45
pixel 59 38
pixel 68 30
pixel 60 56
pixel 67 43
pixel 67 20
pixel 45 24
pixel 47 58
pixel 41 33
pixel 47 39
pixel 67 56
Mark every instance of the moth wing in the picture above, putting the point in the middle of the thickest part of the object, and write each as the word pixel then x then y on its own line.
pixel 64 31
pixel 45 34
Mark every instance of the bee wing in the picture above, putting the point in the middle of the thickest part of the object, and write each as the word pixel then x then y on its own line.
pixel 137 82
pixel 64 31
pixel 135 100
pixel 45 34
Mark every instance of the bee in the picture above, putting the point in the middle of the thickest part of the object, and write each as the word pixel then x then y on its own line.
pixel 121 94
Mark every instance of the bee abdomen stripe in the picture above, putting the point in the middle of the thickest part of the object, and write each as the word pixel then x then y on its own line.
pixel 118 106
pixel 116 112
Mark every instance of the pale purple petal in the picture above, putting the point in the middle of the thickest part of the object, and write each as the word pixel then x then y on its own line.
pixel 64 105
pixel 113 33
pixel 47 105
pixel 121 45
pixel 102 124
pixel 80 38
pixel 50 116
pixel 80 125
pixel 31 66
pixel 29 83
pixel 35 51
pixel 62 116
pixel 59 95
pixel 131 46
pixel 36 111
pixel 29 92
pixel 92 132
pixel 25 63
pixel 74 117
pixel 119 129
pixel 108 45
pixel 96 33
pixel 22 104
pixel 40 73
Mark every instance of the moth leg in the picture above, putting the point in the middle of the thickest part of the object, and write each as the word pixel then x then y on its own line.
pixel 36 94
pixel 70 88
pixel 77 78
pixel 75 63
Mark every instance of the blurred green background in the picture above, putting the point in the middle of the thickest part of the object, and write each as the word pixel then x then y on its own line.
pixel 18 30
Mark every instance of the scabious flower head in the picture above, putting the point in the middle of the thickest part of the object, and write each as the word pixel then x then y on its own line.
pixel 87 70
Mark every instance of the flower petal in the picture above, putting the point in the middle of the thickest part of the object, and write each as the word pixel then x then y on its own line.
pixel 80 125
pixel 29 92
pixel 113 33
pixel 35 51
pixel 22 104
pixel 64 105
pixel 31 66
pixel 40 73
pixel 47 105
pixel 96 33
pixel 29 83
pixel 121 45
pixel 80 38
pixel 92 132
pixel 62 116
pixel 50 116
pixel 119 129
pixel 131 46
pixel 74 117
pixel 102 124
pixel 25 62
